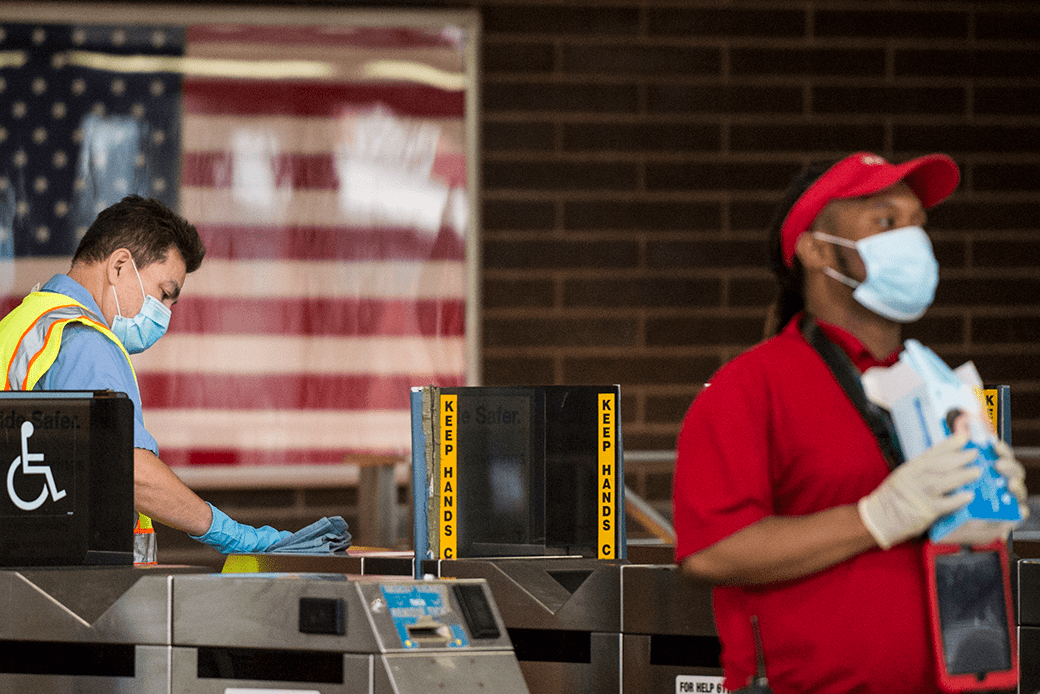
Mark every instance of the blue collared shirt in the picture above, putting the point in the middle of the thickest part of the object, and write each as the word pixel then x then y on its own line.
pixel 89 360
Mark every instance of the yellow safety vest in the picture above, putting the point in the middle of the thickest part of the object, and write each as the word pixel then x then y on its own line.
pixel 30 337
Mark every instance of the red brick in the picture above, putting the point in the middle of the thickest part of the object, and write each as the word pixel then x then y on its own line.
pixel 503 254
pixel 642 136
pixel 668 408
pixel 559 332
pixel 935 330
pixel 977 63
pixel 1002 367
pixel 1008 25
pixel 842 62
pixel 901 100
pixel 523 136
pixel 559 19
pixel 692 331
pixel 751 214
pixel 1006 101
pixel 628 60
pixel 839 138
pixel 706 254
pixel 881 23
pixel 723 98
pixel 517 293
pixel 984 215
pixel 646 369
pixel 1005 176
pixel 527 96
pixel 649 292
pixel 718 22
pixel 1005 329
pixel 752 292
pixel 518 370
pixel 965 138
pixel 516 214
pixel 991 291
pixel 523 174
pixel 641 215
pixel 999 254
pixel 719 175
pixel 527 57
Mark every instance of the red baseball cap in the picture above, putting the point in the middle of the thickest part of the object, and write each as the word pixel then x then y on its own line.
pixel 932 178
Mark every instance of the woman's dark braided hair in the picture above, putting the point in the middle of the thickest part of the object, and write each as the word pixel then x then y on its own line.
pixel 790 298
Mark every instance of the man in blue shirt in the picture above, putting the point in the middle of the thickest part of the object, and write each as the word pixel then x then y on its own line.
pixel 125 277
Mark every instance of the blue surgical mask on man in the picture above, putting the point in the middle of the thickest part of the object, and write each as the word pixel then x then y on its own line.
pixel 902 272
pixel 141 332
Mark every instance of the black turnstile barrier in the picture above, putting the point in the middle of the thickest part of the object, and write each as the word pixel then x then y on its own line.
pixel 178 631
pixel 67 497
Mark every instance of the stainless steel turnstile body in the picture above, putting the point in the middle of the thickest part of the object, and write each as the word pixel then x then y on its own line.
pixel 582 625
pixel 186 631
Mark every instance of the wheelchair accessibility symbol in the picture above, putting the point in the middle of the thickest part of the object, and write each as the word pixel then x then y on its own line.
pixel 23 463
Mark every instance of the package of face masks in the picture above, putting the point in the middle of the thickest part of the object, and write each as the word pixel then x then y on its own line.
pixel 925 397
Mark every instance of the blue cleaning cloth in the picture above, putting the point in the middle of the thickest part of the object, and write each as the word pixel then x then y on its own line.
pixel 326 536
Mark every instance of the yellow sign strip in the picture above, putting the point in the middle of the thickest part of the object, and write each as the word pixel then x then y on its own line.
pixel 990 401
pixel 449 517
pixel 607 502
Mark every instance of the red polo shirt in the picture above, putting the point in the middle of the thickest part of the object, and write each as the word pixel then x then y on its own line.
pixel 775 435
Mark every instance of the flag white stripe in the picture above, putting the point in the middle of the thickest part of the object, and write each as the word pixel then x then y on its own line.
pixel 287 354
pixel 269 279
pixel 311 279
pixel 371 196
pixel 277 429
pixel 300 135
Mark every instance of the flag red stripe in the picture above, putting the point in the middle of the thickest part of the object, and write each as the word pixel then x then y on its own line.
pixel 310 98
pixel 317 316
pixel 298 171
pixel 323 243
pixel 283 391
pixel 233 457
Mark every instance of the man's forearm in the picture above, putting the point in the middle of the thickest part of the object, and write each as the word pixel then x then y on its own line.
pixel 780 548
pixel 160 495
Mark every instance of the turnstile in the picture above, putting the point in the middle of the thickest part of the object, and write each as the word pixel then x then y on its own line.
pixel 599 626
pixel 167 630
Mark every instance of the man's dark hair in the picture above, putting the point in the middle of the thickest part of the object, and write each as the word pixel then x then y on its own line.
pixel 145 227
pixel 790 298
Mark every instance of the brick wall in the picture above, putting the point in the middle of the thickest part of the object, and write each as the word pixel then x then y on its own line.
pixel 633 153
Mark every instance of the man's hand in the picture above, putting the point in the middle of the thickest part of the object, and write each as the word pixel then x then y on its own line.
pixel 918 492
pixel 231 537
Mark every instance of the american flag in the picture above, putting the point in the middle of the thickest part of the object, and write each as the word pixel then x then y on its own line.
pixel 325 169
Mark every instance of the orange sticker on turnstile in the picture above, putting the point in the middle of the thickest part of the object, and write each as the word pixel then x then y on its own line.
pixel 606 491
pixel 448 513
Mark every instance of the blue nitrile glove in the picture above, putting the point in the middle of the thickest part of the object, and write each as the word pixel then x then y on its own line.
pixel 231 537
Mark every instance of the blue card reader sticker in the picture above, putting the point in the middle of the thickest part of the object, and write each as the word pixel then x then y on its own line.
pixel 418 615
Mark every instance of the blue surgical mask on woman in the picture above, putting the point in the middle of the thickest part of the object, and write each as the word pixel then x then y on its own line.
pixel 902 272
pixel 141 332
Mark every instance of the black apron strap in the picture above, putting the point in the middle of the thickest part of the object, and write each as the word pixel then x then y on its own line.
pixel 848 377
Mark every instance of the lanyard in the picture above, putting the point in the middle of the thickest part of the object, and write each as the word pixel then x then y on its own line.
pixel 877 419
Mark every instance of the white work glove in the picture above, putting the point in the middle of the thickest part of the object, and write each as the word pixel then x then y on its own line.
pixel 918 492
pixel 1012 470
